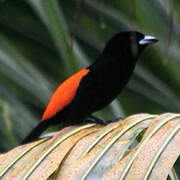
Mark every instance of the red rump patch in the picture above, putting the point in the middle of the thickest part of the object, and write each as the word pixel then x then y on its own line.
pixel 64 94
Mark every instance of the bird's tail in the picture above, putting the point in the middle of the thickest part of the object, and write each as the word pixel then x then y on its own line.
pixel 36 132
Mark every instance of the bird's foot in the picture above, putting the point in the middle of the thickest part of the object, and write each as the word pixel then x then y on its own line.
pixel 93 119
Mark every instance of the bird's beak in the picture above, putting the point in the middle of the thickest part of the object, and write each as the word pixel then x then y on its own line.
pixel 147 40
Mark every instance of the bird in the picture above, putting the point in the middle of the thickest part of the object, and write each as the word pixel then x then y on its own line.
pixel 94 87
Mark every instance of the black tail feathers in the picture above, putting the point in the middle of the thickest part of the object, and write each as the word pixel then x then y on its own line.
pixel 36 132
pixel 59 118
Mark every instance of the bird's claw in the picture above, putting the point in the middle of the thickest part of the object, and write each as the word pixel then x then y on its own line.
pixel 96 120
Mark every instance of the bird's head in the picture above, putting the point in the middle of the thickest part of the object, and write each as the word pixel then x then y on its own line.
pixel 130 43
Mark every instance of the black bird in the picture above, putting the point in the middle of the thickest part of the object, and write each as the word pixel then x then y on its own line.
pixel 94 87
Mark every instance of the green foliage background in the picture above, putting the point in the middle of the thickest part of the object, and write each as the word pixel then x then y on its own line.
pixel 44 41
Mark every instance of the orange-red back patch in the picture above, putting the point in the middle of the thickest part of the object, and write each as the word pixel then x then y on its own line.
pixel 64 94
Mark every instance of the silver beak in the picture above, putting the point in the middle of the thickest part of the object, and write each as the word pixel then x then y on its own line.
pixel 147 40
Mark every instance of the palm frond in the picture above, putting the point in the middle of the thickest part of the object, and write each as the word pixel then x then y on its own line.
pixel 142 146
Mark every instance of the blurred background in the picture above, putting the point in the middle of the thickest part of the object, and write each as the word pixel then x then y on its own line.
pixel 42 42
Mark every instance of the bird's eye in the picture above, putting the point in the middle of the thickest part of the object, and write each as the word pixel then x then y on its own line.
pixel 133 39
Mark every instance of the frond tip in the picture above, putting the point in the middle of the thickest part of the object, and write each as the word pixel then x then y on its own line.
pixel 142 146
